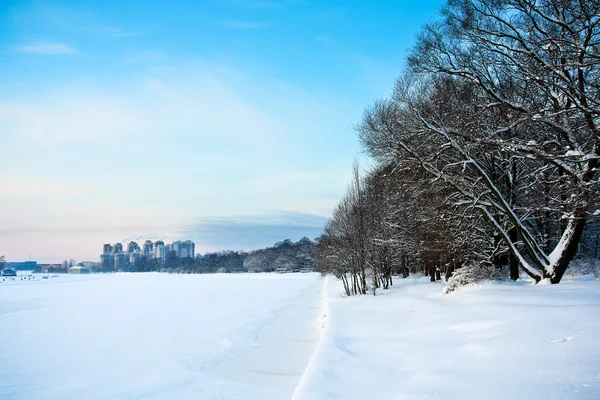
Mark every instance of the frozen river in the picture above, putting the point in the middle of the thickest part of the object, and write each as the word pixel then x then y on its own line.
pixel 157 336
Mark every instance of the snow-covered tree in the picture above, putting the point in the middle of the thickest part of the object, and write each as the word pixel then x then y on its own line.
pixel 501 104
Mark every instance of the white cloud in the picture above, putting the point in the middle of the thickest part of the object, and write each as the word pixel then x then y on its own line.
pixel 175 143
pixel 112 32
pixel 45 48
pixel 192 102
pixel 320 180
pixel 43 188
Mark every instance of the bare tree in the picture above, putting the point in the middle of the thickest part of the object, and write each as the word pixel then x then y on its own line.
pixel 536 67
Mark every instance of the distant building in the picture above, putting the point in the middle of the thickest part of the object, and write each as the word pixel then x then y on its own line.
pixel 135 257
pixel 148 249
pixel 46 267
pixel 79 270
pixel 114 258
pixel 184 248
pixel 132 247
pixel 107 262
pixel 107 249
pixel 22 265
pixel 159 250
pixel 121 261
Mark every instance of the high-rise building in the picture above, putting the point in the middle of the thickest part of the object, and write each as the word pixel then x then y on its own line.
pixel 184 249
pixel 159 250
pixel 118 248
pixel 107 249
pixel 107 261
pixel 135 257
pixel 132 247
pixel 121 261
pixel 148 249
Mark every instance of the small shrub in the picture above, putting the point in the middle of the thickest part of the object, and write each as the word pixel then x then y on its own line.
pixel 472 273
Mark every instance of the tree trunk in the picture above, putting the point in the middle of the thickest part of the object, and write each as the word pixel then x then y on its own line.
pixel 345 282
pixel 363 281
pixel 449 271
pixel 566 248
pixel 513 263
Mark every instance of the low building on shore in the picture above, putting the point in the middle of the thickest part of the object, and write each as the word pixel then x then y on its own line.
pixel 78 269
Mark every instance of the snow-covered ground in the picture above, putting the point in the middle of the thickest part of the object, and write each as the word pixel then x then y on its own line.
pixel 494 341
pixel 157 336
pixel 256 336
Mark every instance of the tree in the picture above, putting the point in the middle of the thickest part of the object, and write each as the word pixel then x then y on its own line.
pixel 502 98
pixel 171 259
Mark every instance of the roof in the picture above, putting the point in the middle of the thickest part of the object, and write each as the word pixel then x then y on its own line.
pixel 9 272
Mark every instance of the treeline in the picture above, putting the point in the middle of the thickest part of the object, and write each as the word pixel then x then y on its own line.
pixel 285 256
pixel 485 155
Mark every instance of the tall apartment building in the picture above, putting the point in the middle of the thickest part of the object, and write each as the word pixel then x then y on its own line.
pixel 148 250
pixel 107 249
pixel 113 258
pixel 135 257
pixel 107 262
pixel 121 261
pixel 132 247
pixel 159 250
pixel 184 249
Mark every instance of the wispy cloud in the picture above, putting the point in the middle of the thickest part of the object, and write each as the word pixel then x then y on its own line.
pixel 191 101
pixel 240 24
pixel 45 48
pixel 194 138
pixel 113 32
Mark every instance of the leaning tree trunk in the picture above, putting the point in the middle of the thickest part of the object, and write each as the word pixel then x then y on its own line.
pixel 566 249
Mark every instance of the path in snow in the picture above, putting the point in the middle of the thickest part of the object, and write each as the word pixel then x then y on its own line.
pixel 157 336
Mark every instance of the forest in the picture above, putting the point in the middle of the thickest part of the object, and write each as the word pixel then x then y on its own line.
pixel 284 256
pixel 484 156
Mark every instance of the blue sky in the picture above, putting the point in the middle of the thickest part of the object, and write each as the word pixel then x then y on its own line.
pixel 229 122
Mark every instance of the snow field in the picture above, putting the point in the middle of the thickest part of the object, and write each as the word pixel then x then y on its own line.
pixel 157 336
pixel 268 336
pixel 493 341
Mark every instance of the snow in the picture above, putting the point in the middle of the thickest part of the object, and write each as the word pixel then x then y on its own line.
pixel 560 247
pixel 157 336
pixel 491 341
pixel 574 153
pixel 282 336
